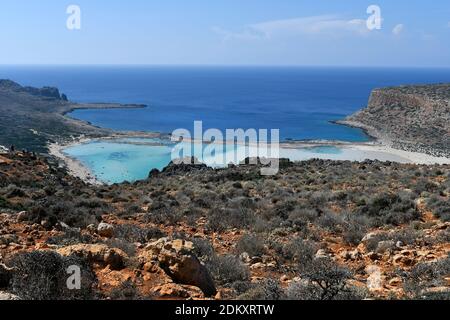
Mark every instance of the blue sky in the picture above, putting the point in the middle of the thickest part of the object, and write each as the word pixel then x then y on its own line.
pixel 226 32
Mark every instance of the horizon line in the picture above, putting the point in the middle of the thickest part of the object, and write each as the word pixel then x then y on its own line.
pixel 218 65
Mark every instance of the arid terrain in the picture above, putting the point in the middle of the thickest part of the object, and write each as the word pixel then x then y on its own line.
pixel 317 230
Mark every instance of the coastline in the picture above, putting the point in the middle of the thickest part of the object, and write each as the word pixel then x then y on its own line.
pixel 356 151
pixel 74 167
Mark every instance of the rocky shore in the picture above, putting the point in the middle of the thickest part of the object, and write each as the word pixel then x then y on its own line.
pixel 411 118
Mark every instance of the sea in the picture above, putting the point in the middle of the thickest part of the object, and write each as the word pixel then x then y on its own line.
pixel 301 102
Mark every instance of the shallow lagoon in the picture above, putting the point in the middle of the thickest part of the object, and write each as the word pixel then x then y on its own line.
pixel 131 159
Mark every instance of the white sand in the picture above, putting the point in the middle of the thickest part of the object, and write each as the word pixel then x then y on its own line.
pixel 74 167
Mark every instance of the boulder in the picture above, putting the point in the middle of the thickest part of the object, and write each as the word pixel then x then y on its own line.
pixel 97 254
pixel 177 259
pixel 404 258
pixel 384 246
pixel 105 230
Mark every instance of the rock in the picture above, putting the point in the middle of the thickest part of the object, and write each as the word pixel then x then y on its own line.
pixel 384 246
pixel 245 257
pixel 97 254
pixel 399 244
pixel 284 278
pixel 173 290
pixel 395 282
pixel 7 239
pixel 258 265
pixel 351 255
pixel 105 230
pixel 91 229
pixel 22 216
pixel 177 259
pixel 369 236
pixel 5 275
pixel 5 296
pixel 404 258
pixel 321 253
pixel 375 279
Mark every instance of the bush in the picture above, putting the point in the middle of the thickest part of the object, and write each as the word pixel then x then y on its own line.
pixel 267 290
pixel 299 250
pixel 427 275
pixel 440 208
pixel 227 269
pixel 390 209
pixel 251 244
pixel 42 275
pixel 325 280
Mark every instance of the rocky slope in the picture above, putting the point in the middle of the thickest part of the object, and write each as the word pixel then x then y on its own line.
pixel 318 230
pixel 32 117
pixel 415 118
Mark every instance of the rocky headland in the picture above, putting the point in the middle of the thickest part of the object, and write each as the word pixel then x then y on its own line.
pixel 31 118
pixel 412 118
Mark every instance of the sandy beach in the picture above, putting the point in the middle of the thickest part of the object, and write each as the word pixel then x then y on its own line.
pixel 74 166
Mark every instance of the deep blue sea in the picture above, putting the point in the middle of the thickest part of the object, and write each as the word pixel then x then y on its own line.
pixel 298 101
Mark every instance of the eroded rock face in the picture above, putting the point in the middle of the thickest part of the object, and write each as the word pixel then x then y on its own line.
pixel 97 254
pixel 177 259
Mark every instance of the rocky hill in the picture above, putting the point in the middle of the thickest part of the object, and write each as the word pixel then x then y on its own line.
pixel 32 117
pixel 320 230
pixel 415 118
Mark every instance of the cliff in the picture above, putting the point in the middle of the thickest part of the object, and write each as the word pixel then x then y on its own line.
pixel 414 118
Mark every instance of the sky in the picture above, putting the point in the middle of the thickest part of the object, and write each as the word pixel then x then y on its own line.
pixel 226 32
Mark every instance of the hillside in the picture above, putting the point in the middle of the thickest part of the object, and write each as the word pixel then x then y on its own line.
pixel 319 230
pixel 414 118
pixel 32 117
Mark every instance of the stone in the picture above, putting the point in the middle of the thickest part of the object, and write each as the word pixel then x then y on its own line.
pixel 369 236
pixel 258 265
pixel 105 230
pixel 384 246
pixel 5 296
pixel 395 282
pixel 177 259
pixel 351 255
pixel 244 256
pixel 404 258
pixel 173 290
pixel 321 253
pixel 22 216
pixel 100 254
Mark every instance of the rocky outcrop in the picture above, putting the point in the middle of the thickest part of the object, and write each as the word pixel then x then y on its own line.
pixel 45 92
pixel 414 118
pixel 177 259
pixel 98 254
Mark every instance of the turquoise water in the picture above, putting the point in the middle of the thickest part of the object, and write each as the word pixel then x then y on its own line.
pixel 115 161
